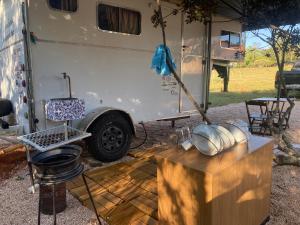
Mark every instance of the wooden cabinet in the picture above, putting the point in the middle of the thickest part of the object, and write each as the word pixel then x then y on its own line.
pixel 232 188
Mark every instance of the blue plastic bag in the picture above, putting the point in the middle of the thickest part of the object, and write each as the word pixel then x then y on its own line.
pixel 159 61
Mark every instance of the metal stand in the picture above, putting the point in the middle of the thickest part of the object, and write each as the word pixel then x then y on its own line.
pixel 91 198
pixel 30 169
pixel 266 220
pixel 39 215
pixel 54 203
pixel 51 139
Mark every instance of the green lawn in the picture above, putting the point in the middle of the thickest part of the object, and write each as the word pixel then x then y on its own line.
pixel 245 84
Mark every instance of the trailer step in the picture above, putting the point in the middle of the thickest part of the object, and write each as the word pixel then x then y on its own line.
pixel 173 119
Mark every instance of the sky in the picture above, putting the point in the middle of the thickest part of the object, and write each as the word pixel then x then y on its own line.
pixel 253 41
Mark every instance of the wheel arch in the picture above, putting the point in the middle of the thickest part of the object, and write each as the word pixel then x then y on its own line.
pixel 97 113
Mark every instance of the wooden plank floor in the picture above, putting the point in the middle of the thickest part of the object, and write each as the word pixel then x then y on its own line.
pixel 124 193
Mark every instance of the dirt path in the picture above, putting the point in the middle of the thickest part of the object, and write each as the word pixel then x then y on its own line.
pixel 11 162
pixel 285 207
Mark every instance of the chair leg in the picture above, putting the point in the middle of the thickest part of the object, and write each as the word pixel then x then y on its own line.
pixel 251 125
pixel 263 131
pixel 91 198
pixel 53 204
pixel 260 129
pixel 287 125
pixel 271 131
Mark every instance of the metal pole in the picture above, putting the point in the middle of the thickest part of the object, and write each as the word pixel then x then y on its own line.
pixel 30 169
pixel 208 61
pixel 91 198
pixel 53 204
pixel 28 67
pixel 39 216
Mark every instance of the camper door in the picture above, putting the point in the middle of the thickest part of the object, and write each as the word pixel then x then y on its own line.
pixel 192 67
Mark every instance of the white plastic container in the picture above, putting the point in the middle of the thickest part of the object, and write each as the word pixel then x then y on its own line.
pixel 213 139
pixel 207 140
pixel 227 138
pixel 239 130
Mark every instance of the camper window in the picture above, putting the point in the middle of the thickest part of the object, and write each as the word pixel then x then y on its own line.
pixel 120 20
pixel 65 5
pixel 230 39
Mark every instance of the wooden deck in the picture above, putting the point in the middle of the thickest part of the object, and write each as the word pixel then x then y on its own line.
pixel 125 193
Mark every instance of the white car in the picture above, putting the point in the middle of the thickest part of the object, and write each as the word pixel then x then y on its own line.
pixel 296 66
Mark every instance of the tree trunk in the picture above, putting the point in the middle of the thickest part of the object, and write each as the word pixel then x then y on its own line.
pixel 226 80
pixel 287 160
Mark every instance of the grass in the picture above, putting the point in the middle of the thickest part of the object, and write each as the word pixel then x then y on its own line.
pixel 244 84
pixel 220 99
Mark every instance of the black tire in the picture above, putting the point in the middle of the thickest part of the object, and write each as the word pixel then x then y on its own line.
pixel 111 137
pixel 5 107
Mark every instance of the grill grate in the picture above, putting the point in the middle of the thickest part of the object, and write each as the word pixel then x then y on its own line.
pixel 53 138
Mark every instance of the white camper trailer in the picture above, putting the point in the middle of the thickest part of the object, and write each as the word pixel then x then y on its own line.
pixel 105 47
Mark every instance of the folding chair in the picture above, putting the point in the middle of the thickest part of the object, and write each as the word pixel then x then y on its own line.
pixel 259 117
pixel 282 113
pixel 284 116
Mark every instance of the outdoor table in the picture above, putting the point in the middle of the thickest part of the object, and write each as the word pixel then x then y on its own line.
pixel 283 101
pixel 270 99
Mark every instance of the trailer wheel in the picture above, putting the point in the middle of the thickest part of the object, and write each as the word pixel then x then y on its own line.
pixel 111 137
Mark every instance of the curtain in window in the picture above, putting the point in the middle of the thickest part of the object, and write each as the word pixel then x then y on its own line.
pixel 109 18
pixel 129 22
pixel 118 19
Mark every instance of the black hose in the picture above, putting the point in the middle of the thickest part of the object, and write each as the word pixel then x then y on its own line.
pixel 145 138
pixel 4 124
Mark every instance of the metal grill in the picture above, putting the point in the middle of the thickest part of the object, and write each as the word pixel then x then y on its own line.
pixel 53 138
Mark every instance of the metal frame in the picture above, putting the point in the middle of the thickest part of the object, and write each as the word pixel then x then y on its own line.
pixel 91 198
pixel 33 140
pixel 40 140
pixel 26 139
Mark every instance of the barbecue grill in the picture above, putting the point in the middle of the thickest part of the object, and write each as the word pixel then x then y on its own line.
pixel 55 161
pixel 55 167
pixel 58 165
pixel 49 139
